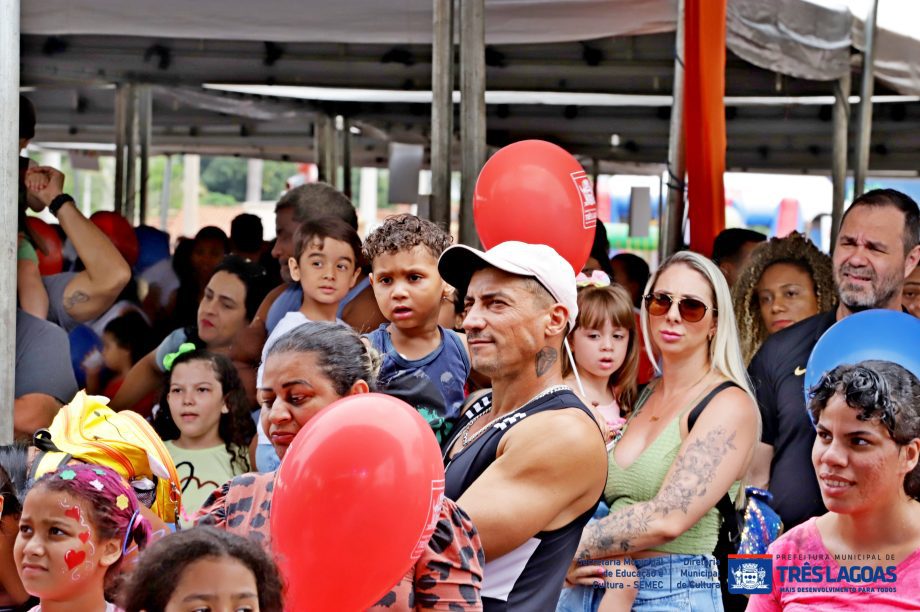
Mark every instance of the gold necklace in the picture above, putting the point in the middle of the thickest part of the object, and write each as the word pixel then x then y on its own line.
pixel 654 417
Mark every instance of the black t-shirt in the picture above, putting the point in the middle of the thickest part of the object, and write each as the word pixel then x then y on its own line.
pixel 778 374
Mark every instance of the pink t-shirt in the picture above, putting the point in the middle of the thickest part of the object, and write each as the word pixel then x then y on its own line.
pixel 802 545
pixel 610 412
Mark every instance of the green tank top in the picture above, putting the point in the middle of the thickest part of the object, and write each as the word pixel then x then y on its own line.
pixel 641 481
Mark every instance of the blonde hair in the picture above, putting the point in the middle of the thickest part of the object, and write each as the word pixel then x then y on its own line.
pixel 596 306
pixel 724 350
pixel 795 249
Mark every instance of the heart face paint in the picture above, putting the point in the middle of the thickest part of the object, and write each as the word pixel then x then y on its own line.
pixel 73 558
pixel 55 550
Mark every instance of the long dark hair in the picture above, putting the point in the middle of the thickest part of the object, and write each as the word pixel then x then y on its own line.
pixel 154 580
pixel 235 428
pixel 253 277
pixel 14 477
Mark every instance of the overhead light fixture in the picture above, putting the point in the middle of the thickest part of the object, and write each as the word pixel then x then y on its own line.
pixel 614 140
pixel 354 129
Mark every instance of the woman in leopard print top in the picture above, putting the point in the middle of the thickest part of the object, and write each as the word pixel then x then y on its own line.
pixel 305 371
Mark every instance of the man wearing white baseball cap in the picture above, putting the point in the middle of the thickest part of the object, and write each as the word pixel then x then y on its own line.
pixel 530 468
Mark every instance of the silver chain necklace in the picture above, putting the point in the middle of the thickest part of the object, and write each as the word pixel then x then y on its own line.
pixel 466 438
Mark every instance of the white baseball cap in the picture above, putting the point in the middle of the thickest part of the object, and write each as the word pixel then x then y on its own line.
pixel 459 262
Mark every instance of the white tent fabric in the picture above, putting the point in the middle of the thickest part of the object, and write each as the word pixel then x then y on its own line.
pixel 897 51
pixel 346 21
pixel 806 38
pixel 811 38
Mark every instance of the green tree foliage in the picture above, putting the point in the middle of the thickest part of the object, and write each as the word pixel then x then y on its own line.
pixel 274 176
pixel 225 175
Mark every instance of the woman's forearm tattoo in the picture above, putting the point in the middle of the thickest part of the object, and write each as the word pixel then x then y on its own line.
pixel 694 470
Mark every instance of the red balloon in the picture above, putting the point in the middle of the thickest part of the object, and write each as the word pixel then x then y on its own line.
pixel 119 232
pixel 51 262
pixel 536 192
pixel 356 500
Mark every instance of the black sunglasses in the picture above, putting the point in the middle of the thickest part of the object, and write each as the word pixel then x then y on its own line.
pixel 691 310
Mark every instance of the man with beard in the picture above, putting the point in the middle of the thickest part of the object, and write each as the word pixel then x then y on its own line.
pixel 877 248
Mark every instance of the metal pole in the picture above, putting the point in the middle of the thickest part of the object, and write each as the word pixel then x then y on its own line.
pixel 671 235
pixel 86 200
pixel 839 162
pixel 120 109
pixel 324 143
pixel 165 194
pixel 367 199
pixel 318 148
pixel 9 192
pixel 191 175
pixel 865 104
pixel 472 110
pixel 442 110
pixel 254 173
pixel 130 152
pixel 145 123
pixel 346 158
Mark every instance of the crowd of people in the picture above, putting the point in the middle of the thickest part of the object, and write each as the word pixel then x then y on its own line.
pixel 583 479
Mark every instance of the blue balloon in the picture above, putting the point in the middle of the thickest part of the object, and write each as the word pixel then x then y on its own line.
pixel 154 246
pixel 886 335
pixel 83 340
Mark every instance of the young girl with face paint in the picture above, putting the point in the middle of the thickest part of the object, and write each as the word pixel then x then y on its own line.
pixel 75 527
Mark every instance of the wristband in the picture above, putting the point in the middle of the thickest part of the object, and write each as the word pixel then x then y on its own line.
pixel 59 201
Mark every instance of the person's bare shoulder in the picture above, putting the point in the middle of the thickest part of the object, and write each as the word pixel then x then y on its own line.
pixel 568 435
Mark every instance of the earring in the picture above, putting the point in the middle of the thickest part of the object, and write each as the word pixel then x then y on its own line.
pixel 225 410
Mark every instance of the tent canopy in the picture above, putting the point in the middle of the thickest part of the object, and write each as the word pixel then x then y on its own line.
pixel 781 50
pixel 806 38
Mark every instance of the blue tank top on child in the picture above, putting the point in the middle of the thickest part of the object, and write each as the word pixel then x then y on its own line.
pixel 292 297
pixel 447 367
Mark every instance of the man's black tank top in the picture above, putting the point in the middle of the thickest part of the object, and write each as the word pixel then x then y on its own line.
pixel 529 577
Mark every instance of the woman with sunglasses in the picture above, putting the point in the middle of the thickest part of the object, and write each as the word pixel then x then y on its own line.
pixel 665 480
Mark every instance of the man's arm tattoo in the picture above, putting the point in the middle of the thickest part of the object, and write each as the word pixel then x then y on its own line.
pixel 545 359
pixel 695 468
pixel 77 297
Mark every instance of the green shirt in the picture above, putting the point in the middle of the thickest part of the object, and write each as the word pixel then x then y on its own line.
pixel 201 471
pixel 642 480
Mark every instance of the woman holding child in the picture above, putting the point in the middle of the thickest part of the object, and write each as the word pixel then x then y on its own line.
pixel 306 370
pixel 664 480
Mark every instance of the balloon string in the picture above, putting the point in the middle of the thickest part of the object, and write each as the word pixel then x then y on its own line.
pixel 568 351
